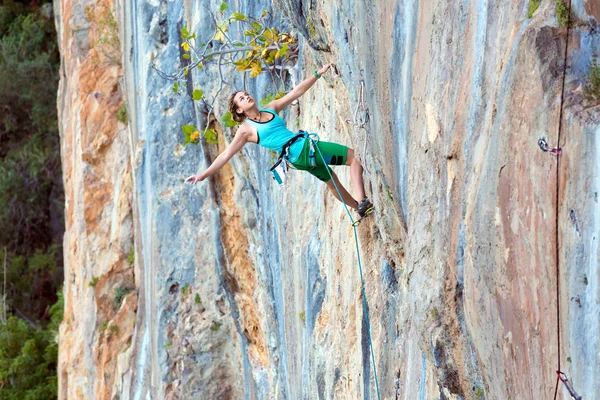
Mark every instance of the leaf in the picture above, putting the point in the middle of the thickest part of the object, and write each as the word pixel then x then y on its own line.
pixel 200 66
pixel 269 35
pixel 176 87
pixel 256 26
pixel 250 32
pixel 186 71
pixel 184 32
pixel 239 16
pixel 187 131
pixel 266 100
pixel 221 27
pixel 227 119
pixel 256 70
pixel 264 13
pixel 211 136
pixel 187 56
pixel 186 46
pixel 282 50
pixel 223 7
pixel 197 94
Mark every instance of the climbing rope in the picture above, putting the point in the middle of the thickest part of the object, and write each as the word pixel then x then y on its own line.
pixel 362 283
pixel 561 376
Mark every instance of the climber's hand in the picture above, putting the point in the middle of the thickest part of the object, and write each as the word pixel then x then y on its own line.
pixel 324 69
pixel 194 178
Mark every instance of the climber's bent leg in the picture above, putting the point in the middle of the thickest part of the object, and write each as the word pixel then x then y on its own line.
pixel 356 171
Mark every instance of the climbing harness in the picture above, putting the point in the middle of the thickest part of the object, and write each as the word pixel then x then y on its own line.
pixel 555 151
pixel 362 283
pixel 281 167
pixel 563 378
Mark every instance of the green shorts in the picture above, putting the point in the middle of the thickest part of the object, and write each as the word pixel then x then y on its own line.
pixel 333 154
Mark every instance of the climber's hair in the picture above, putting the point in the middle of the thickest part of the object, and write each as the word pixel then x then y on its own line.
pixel 237 117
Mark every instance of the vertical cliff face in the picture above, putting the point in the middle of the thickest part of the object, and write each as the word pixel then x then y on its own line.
pixel 238 288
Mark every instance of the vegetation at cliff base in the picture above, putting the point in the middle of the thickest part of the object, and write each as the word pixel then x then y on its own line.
pixel 31 201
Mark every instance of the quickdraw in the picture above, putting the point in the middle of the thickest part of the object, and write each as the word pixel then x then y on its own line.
pixel 555 151
pixel 360 121
pixel 563 378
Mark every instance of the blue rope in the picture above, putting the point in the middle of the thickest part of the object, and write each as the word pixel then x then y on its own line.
pixel 362 282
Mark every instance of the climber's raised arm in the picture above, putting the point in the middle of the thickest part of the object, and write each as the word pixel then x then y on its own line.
pixel 240 139
pixel 299 90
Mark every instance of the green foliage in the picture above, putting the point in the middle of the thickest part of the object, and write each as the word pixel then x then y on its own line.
pixel 265 49
pixel 197 94
pixel 27 179
pixel 102 326
pixel 434 313
pixel 31 199
pixel 479 394
pixel 533 6
pixel 131 255
pixel 591 88
pixel 562 13
pixel 228 121
pixel 28 49
pixel 32 281
pixel 122 114
pixel 215 326
pixel 197 299
pixel 185 290
pixel 192 135
pixel 113 328
pixel 120 293
pixel 270 97
pixel 28 357
pixel 93 282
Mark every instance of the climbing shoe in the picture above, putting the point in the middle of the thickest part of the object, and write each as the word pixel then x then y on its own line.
pixel 365 207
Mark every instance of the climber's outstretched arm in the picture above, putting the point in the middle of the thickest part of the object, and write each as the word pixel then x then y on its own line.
pixel 240 139
pixel 299 90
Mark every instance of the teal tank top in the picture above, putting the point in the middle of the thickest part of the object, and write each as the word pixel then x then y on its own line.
pixel 274 134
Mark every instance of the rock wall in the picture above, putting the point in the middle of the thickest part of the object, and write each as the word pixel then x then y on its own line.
pixel 238 288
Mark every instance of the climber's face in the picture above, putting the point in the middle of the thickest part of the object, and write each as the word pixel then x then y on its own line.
pixel 244 102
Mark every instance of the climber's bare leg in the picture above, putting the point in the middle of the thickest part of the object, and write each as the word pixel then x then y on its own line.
pixel 356 171
pixel 349 200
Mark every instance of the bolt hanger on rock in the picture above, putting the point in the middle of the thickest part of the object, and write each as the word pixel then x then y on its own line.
pixel 555 151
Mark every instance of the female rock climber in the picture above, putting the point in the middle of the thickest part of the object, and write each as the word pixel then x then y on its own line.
pixel 266 128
